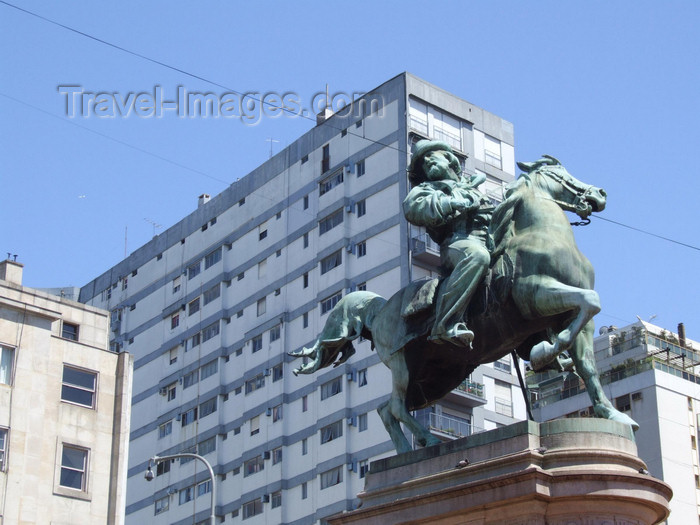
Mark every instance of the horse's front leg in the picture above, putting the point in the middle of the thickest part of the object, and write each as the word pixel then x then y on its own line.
pixel 584 361
pixel 545 296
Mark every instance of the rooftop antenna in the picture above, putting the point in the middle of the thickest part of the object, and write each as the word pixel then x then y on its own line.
pixel 154 224
pixel 271 140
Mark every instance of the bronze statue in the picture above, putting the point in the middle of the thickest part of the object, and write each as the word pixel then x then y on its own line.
pixel 540 301
pixel 456 216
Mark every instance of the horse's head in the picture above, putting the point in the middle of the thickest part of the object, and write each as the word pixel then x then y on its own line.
pixel 567 191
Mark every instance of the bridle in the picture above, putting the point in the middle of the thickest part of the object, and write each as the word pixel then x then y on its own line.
pixel 580 190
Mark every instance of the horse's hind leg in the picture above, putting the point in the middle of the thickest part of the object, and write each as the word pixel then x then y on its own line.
pixel 394 410
pixel 584 361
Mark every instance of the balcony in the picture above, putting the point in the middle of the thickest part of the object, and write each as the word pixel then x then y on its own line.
pixel 446 427
pixel 468 394
pixel 424 249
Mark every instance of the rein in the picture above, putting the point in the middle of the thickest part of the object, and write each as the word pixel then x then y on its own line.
pixel 579 192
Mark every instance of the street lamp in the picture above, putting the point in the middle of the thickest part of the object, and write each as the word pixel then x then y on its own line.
pixel 155 460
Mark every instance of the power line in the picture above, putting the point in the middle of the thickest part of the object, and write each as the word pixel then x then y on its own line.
pixel 193 75
pixel 649 233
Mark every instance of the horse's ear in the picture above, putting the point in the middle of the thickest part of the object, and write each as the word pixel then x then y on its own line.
pixel 552 160
pixel 527 167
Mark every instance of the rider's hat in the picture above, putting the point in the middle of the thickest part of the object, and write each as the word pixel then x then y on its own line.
pixel 415 168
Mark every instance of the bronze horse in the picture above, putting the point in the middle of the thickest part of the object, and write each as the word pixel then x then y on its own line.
pixel 540 301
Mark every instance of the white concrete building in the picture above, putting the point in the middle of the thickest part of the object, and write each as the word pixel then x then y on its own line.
pixel 64 410
pixel 653 375
pixel 210 307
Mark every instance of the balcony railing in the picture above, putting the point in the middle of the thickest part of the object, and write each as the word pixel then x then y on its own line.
pixel 471 387
pixel 451 426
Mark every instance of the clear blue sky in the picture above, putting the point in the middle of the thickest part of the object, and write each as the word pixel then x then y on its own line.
pixel 610 88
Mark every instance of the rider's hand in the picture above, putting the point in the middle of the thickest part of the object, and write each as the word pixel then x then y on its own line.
pixel 462 205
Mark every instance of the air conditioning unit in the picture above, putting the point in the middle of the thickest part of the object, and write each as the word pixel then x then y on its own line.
pixel 350 207
pixel 266 454
pixel 162 391
pixel 267 372
pixel 636 396
pixel 351 466
pixel 265 498
pixel 350 248
pixel 352 421
pixel 351 376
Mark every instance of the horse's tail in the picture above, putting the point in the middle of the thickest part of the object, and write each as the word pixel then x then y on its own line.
pixel 348 320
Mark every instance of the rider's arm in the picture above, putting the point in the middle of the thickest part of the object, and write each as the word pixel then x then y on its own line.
pixel 427 206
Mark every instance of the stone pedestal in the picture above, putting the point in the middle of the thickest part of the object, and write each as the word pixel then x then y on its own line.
pixel 563 472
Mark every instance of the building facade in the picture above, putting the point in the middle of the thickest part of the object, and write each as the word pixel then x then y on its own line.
pixel 651 374
pixel 64 410
pixel 210 308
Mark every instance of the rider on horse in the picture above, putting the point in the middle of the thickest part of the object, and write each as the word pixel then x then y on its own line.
pixel 456 216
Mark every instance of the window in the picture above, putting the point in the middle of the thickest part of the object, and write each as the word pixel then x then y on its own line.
pixel 209 369
pixel 306 202
pixel 492 151
pixel 161 505
pixel 362 287
pixel 276 413
pixel 190 379
pixel 276 499
pixel 305 159
pixel 331 388
pixel 7 359
pixel 304 490
pixel 275 333
pixel 305 320
pixel 304 447
pixel 362 422
pixel 69 331
pixel 362 249
pixel 361 207
pixel 257 343
pixel 240 276
pixel 360 168
pixel 74 467
pixel 253 466
pixel 362 377
pixel 204 488
pixel 277 372
pixel 212 258
pixel 254 384
pixel 503 398
pixel 189 417
pixel 165 429
pixel 332 431
pixel 277 456
pixel 262 306
pixel 193 307
pixel 332 261
pixel 125 283
pixel 262 268
pixel 174 321
pixel 3 449
pixel 194 270
pixel 363 467
pixel 208 407
pixel 252 508
pixel 328 304
pixel 306 240
pixel 254 425
pixel 176 284
pixel 331 477
pixel 304 403
pixel 78 386
pixel 170 391
pixel 623 403
pixel 210 331
pixel 306 279
pixel 186 494
pixel 195 340
pixel 503 364
pixel 163 467
pixel 262 235
pixel 326 160
pixel 172 355
pixel 212 293
pixel 330 222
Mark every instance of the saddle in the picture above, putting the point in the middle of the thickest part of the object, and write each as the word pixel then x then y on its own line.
pixel 492 291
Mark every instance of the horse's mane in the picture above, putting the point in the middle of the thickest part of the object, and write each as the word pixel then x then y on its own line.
pixel 502 227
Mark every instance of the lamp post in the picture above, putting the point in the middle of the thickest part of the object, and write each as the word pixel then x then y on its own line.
pixel 155 460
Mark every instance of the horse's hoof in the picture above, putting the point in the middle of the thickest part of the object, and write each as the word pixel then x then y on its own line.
pixel 541 355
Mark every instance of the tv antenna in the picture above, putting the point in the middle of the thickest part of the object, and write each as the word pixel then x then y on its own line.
pixel 271 140
pixel 154 224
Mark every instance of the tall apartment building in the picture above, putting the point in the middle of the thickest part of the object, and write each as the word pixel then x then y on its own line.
pixel 210 307
pixel 652 374
pixel 64 410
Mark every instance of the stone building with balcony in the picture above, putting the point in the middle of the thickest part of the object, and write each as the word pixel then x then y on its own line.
pixel 652 374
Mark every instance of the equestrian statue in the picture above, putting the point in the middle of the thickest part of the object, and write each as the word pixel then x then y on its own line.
pixel 513 279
